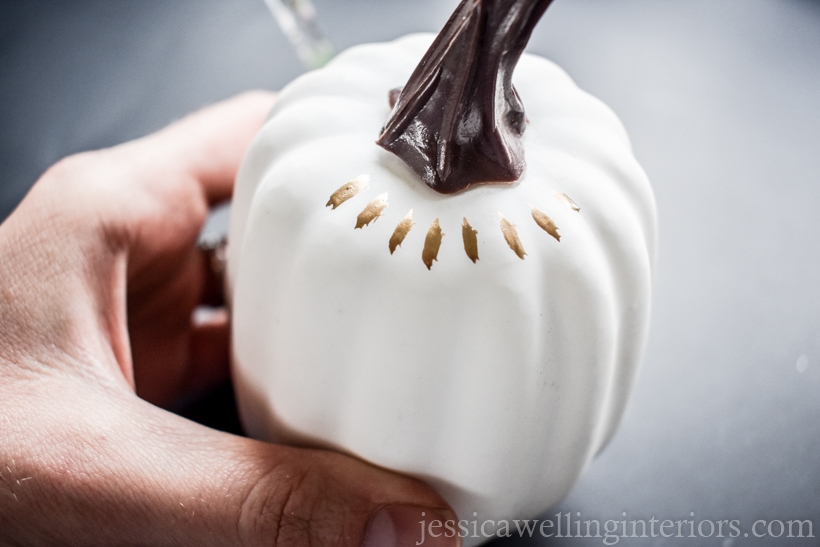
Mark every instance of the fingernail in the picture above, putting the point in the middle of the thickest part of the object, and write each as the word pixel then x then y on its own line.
pixel 411 526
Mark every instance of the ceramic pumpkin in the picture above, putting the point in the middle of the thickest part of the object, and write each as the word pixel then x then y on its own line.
pixel 482 338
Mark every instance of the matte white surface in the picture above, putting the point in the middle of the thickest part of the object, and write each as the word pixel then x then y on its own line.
pixel 497 381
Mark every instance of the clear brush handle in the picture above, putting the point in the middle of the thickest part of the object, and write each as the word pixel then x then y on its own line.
pixel 297 18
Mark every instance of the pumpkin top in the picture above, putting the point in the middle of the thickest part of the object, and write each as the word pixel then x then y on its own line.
pixel 459 121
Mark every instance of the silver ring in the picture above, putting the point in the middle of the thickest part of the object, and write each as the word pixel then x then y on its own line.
pixel 215 246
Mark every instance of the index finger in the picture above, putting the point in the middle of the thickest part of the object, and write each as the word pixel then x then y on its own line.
pixel 210 144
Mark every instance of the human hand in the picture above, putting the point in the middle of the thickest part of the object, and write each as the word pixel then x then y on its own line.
pixel 99 275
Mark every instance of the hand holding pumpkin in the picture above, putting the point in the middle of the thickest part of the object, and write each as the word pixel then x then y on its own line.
pixel 98 278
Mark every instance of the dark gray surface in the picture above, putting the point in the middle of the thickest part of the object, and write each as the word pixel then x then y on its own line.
pixel 722 100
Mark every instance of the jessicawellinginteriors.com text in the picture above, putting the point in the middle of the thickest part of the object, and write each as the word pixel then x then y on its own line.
pixel 611 531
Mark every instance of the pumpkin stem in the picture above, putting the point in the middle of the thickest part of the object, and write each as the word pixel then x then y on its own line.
pixel 458 122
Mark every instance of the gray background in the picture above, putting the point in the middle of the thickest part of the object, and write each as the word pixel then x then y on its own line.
pixel 722 100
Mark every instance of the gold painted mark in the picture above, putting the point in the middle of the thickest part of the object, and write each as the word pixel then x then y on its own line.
pixel 511 236
pixel 470 240
pixel 372 211
pixel 347 191
pixel 568 200
pixel 432 244
pixel 546 223
pixel 401 231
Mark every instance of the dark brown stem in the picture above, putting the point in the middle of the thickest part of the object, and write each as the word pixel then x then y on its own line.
pixel 458 122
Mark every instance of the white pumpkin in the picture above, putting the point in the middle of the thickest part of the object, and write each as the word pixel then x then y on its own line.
pixel 481 354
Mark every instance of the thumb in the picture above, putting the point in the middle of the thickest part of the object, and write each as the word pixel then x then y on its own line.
pixel 120 471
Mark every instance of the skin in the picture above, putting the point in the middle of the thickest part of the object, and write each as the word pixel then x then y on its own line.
pixel 99 275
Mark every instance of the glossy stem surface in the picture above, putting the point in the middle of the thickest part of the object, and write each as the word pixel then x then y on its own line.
pixel 459 121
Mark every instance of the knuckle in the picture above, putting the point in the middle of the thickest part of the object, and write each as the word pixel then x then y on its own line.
pixel 74 170
pixel 77 180
pixel 294 505
pixel 73 164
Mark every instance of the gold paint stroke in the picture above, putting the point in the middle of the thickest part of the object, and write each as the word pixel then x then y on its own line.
pixel 401 231
pixel 432 244
pixel 372 211
pixel 347 191
pixel 568 200
pixel 511 236
pixel 470 240
pixel 546 223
